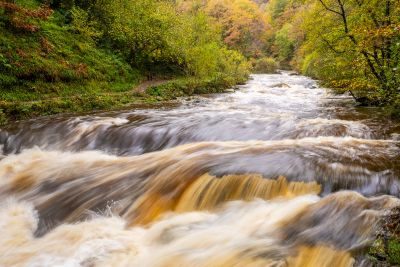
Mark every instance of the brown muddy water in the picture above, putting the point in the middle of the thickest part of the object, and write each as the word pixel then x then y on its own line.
pixel 278 173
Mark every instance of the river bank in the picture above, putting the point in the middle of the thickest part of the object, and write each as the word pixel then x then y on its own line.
pixel 63 57
pixel 107 96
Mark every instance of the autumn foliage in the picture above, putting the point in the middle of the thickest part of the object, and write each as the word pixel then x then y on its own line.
pixel 23 18
pixel 347 44
pixel 243 23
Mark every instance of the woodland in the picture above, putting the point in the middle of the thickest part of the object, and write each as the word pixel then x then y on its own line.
pixel 72 55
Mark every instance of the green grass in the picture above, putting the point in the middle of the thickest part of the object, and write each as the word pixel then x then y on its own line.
pixel 58 69
pixel 394 252
pixel 391 255
pixel 42 91
pixel 101 96
pixel 75 103
pixel 393 109
pixel 386 248
pixel 54 59
pixel 191 86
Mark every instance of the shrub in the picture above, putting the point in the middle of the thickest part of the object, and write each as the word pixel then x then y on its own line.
pixel 265 65
pixel 3 118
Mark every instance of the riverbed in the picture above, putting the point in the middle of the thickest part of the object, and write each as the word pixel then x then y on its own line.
pixel 278 172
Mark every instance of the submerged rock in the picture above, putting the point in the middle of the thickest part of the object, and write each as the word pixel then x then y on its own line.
pixel 281 85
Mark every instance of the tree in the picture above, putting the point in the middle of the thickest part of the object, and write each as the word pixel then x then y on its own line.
pixel 370 31
pixel 243 24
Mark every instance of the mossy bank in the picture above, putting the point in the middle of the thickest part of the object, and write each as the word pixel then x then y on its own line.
pixel 75 56
pixel 110 96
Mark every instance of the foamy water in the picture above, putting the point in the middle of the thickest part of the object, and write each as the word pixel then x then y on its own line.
pixel 278 173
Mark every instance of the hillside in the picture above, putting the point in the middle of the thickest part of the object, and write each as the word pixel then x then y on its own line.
pixel 59 56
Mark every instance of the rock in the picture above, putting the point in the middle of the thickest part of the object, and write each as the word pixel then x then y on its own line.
pixel 395 136
pixel 281 85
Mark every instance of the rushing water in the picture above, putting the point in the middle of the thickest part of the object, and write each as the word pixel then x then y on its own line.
pixel 278 173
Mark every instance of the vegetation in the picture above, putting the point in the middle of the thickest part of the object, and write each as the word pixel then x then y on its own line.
pixel 58 56
pixel 386 248
pixel 55 49
pixel 101 97
pixel 265 65
pixel 74 55
pixel 243 23
pixel 349 45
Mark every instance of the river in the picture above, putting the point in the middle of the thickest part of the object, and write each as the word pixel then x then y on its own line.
pixel 279 172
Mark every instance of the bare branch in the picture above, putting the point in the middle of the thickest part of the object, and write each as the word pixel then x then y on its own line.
pixel 328 8
pixel 330 46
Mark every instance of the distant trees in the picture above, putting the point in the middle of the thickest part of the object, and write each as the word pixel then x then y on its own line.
pixel 283 38
pixel 243 23
pixel 351 44
pixel 154 36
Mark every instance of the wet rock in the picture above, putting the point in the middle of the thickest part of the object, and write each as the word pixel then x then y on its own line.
pixel 281 85
pixel 395 136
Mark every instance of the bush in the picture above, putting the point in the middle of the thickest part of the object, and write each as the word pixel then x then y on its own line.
pixel 265 65
pixel 190 86
pixel 3 118
pixel 394 108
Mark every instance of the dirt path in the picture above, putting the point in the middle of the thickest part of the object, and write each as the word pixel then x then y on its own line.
pixel 141 88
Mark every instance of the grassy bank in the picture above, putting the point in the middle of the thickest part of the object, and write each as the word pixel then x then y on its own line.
pixel 67 57
pixel 48 66
pixel 76 98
